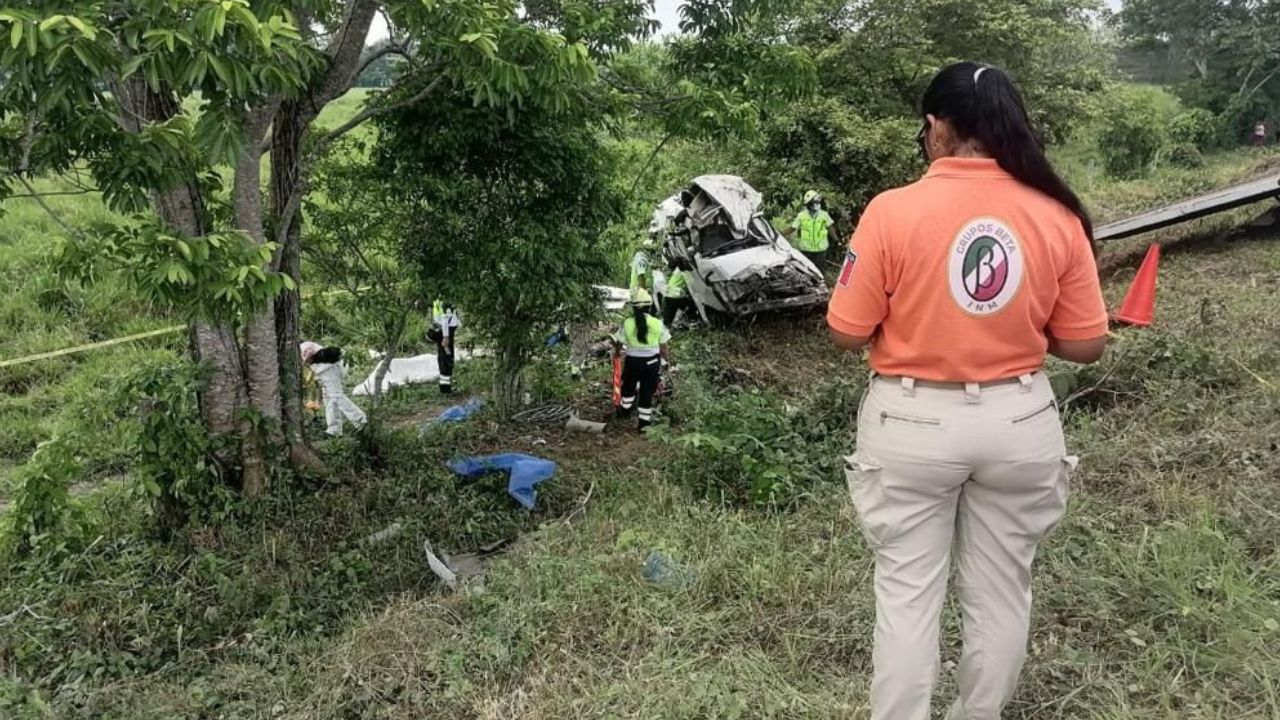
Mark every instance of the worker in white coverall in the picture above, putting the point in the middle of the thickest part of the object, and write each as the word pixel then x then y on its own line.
pixel 326 365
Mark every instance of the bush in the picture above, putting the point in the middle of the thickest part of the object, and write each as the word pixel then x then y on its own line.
pixel 1131 137
pixel 1240 116
pixel 173 455
pixel 754 448
pixel 827 146
pixel 1196 127
pixel 1186 155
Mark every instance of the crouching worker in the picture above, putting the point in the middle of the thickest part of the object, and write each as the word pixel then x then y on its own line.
pixel 643 338
pixel 326 364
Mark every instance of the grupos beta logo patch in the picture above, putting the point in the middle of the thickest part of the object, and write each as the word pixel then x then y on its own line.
pixel 985 268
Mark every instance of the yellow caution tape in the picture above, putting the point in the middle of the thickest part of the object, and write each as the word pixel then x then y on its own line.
pixel 90 346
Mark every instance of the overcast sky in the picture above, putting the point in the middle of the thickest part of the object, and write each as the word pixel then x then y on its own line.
pixel 666 12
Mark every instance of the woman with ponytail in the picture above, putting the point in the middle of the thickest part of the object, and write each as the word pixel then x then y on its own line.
pixel 644 341
pixel 960 284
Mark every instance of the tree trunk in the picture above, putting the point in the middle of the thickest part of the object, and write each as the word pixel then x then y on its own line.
pixel 261 357
pixel 213 345
pixel 508 383
pixel 393 337
pixel 286 167
pixel 288 127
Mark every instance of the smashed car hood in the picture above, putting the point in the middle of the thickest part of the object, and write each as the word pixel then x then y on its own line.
pixel 744 263
pixel 736 198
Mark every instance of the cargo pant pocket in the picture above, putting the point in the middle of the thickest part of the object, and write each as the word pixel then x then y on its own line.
pixel 1057 507
pixel 866 490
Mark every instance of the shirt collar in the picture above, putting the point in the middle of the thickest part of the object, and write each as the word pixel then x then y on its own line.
pixel 965 167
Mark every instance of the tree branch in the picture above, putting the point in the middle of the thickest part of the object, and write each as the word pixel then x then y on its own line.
pixel 59 193
pixel 645 168
pixel 48 210
pixel 389 49
pixel 345 49
pixel 373 112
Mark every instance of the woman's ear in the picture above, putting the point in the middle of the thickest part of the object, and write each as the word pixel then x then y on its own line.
pixel 941 138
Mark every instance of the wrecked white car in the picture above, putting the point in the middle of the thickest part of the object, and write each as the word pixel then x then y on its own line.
pixel 735 262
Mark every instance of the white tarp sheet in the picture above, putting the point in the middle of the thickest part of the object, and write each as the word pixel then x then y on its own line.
pixel 403 371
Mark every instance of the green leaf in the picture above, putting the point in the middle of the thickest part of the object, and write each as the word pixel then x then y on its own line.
pixel 221 70
pixel 219 20
pixel 84 28
pixel 86 58
pixel 15 35
pixel 51 22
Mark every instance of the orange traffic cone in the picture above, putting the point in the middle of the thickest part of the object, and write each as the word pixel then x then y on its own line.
pixel 1139 306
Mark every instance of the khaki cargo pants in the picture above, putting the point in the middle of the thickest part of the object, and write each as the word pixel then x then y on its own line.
pixel 983 468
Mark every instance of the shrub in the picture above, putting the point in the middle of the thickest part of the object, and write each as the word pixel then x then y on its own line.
pixel 1130 138
pixel 754 448
pixel 43 511
pixel 173 457
pixel 827 146
pixel 1186 155
pixel 1196 127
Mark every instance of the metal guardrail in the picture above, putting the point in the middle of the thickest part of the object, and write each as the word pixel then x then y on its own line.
pixel 1192 208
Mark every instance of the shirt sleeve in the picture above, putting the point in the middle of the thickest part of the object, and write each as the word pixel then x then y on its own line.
pixel 666 336
pixel 795 224
pixel 860 300
pixel 1080 313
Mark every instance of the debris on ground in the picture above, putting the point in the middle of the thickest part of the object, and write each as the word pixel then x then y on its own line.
pixel 544 415
pixel 526 472
pixel 585 426
pixel 663 571
pixel 452 568
pixel 384 534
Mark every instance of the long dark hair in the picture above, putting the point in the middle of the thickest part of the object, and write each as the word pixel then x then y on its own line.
pixel 642 322
pixel 983 104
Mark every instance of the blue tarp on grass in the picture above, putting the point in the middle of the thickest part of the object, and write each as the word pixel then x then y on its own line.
pixel 526 472
pixel 458 413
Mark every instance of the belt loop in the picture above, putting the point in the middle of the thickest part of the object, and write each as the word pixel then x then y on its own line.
pixel 909 386
pixel 972 394
pixel 1025 380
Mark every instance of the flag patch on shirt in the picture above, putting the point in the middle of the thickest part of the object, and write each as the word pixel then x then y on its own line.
pixel 846 271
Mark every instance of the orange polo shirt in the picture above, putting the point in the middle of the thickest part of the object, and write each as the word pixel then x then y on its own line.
pixel 959 276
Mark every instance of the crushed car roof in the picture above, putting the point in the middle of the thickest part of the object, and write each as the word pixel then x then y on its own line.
pixel 738 199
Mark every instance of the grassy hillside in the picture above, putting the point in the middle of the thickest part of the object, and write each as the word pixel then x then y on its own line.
pixel 1157 598
pixel 40 313
pixel 712 571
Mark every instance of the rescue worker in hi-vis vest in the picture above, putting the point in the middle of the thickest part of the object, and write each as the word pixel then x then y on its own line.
pixel 644 341
pixel 642 263
pixel 961 283
pixel 813 231
pixel 444 329
pixel 676 298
